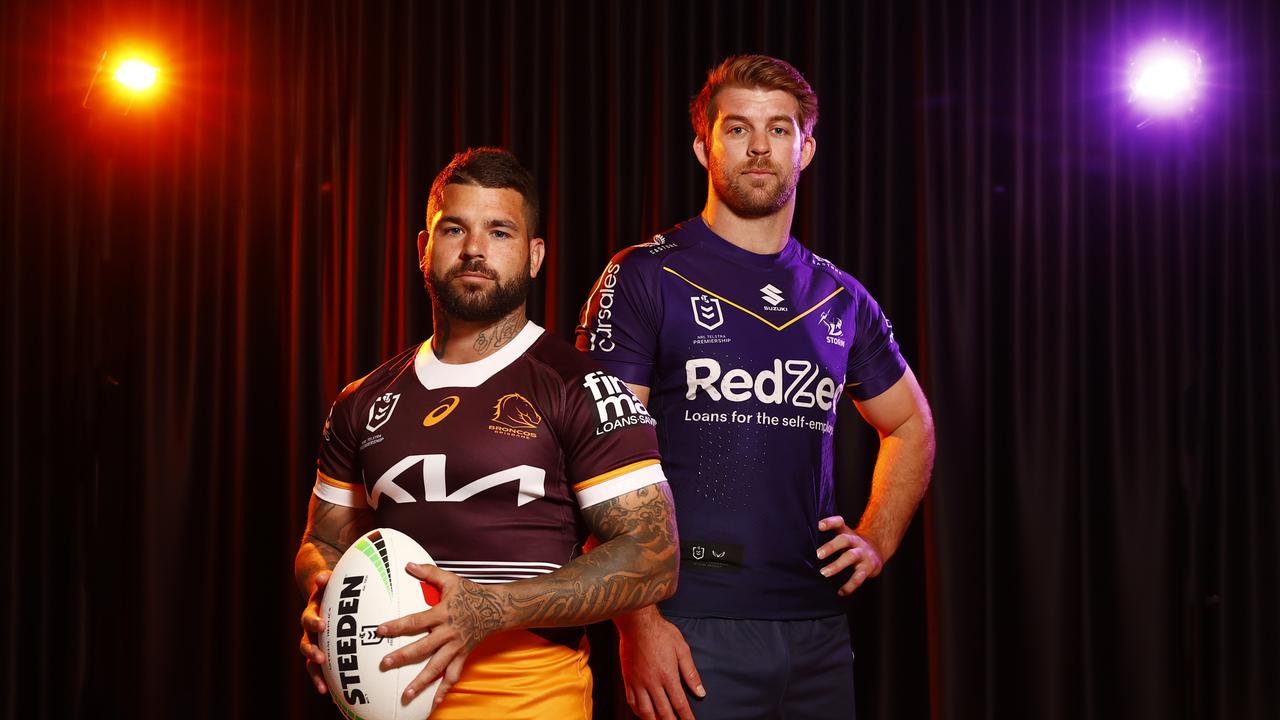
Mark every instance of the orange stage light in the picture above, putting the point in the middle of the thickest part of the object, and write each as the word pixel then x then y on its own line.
pixel 135 75
pixel 136 81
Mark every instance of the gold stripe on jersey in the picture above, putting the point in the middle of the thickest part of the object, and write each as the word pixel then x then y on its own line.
pixel 518 675
pixel 613 474
pixel 335 482
pixel 761 318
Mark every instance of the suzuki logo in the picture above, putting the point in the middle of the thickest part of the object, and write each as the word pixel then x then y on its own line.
pixel 771 295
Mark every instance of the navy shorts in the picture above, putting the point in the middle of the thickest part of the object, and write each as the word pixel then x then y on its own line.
pixel 771 668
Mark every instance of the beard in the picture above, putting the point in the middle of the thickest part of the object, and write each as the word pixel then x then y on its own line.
pixel 736 190
pixel 478 304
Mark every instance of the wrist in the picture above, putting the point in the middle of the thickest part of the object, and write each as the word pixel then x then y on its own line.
pixel 637 620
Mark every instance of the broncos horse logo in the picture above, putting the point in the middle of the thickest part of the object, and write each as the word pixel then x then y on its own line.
pixel 514 411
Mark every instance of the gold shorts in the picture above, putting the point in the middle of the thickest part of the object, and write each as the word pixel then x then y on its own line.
pixel 518 675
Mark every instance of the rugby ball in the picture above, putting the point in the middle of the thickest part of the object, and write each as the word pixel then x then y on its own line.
pixel 370 586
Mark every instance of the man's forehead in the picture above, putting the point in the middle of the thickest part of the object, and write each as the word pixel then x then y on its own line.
pixel 476 203
pixel 756 103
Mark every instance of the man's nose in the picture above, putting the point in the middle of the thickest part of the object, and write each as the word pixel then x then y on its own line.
pixel 474 246
pixel 759 144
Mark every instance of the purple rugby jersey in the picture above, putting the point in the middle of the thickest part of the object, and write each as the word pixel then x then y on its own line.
pixel 745 356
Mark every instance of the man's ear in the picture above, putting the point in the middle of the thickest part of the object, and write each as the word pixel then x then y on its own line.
pixel 423 237
pixel 700 150
pixel 807 152
pixel 537 252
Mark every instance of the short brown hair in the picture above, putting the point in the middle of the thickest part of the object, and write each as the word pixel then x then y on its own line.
pixel 753 71
pixel 487 167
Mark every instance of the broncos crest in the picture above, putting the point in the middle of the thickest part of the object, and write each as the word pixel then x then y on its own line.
pixel 514 411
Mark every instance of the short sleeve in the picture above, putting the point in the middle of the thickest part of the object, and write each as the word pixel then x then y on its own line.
pixel 875 363
pixel 620 320
pixel 609 443
pixel 338 479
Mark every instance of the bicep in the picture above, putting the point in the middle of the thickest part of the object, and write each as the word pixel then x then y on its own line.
pixel 893 408
pixel 645 514
pixel 641 392
pixel 336 526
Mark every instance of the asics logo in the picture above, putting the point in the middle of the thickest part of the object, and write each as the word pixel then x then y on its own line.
pixel 792 382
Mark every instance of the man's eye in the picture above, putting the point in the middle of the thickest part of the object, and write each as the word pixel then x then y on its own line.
pixel 501 234
pixel 453 231
pixel 737 130
pixel 779 131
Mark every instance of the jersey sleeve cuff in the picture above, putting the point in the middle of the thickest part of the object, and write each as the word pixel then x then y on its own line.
pixel 890 373
pixel 632 373
pixel 339 493
pixel 619 482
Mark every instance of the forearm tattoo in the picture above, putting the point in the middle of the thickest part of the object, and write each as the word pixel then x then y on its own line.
pixel 330 531
pixel 634 566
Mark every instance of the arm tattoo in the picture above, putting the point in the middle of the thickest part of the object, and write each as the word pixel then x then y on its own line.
pixel 330 531
pixel 634 566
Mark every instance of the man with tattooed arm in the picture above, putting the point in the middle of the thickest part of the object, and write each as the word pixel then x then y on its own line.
pixel 499 449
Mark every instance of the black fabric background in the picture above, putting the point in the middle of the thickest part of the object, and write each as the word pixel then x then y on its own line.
pixel 1092 309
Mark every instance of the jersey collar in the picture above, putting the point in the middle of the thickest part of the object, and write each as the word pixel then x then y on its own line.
pixel 434 374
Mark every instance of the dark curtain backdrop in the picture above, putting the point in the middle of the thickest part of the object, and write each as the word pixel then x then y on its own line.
pixel 1092 308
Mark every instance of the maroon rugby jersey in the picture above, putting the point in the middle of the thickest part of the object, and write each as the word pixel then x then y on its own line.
pixel 487 464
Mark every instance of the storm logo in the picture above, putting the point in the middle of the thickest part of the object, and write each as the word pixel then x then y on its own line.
pixel 514 411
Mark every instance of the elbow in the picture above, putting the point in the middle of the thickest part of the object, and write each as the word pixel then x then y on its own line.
pixel 668 575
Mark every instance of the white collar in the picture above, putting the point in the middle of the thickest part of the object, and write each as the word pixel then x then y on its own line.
pixel 434 374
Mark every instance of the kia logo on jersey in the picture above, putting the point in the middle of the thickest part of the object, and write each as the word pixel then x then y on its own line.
pixel 706 311
pixel 381 411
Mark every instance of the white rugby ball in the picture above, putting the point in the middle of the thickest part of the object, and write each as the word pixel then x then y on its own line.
pixel 370 586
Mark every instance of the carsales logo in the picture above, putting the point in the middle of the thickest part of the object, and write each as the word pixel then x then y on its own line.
pixel 793 382
pixel 602 324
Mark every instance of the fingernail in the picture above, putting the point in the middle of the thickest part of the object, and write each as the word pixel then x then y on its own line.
pixel 822 525
pixel 821 554
pixel 409 693
pixel 699 691
pixel 382 630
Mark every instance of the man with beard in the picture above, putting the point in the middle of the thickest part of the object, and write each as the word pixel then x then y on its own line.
pixel 498 448
pixel 738 339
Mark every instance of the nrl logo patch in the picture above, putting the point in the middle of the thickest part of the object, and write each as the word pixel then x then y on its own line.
pixel 706 311
pixel 381 411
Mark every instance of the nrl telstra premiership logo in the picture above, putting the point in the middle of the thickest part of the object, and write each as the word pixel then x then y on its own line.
pixel 706 311
pixel 381 411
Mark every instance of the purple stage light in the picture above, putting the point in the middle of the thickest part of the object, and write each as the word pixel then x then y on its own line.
pixel 1164 78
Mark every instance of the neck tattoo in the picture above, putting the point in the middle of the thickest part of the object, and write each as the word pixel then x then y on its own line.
pixel 498 335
